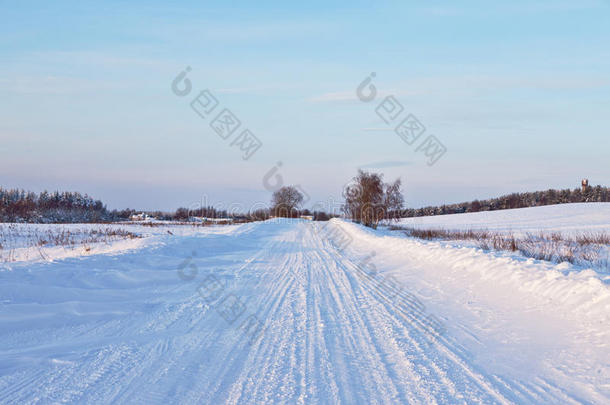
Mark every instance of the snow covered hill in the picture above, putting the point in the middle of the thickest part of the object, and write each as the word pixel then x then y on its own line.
pixel 565 218
pixel 297 311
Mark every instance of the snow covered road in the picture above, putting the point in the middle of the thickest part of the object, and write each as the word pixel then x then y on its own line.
pixel 301 312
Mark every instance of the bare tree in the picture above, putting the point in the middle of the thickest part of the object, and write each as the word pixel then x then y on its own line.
pixel 364 198
pixel 286 201
pixel 393 200
pixel 368 199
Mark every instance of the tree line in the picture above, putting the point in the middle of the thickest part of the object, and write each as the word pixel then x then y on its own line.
pixel 367 200
pixel 181 214
pixel 516 200
pixel 17 205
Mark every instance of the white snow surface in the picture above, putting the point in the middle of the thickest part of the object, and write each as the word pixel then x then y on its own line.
pixel 292 311
pixel 18 242
pixel 564 218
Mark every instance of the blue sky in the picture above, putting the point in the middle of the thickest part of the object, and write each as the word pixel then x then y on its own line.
pixel 519 93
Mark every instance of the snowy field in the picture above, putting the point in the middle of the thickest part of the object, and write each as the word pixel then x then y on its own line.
pixel 564 218
pixel 48 242
pixel 295 311
pixel 574 233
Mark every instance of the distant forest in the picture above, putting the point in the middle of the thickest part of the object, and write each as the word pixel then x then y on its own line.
pixel 70 207
pixel 21 206
pixel 516 200
pixel 18 205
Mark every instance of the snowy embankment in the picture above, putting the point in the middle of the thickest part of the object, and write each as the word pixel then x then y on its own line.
pixel 528 318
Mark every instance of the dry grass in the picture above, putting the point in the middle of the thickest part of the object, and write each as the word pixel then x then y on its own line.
pixel 185 223
pixel 588 248
pixel 65 237
pixel 13 237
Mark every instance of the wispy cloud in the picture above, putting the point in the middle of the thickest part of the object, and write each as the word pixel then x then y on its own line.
pixel 340 96
pixel 271 29
pixel 57 85
pixel 531 7
pixel 378 129
pixel 263 88
pixel 456 85
pixel 118 59
pixel 386 164
pixel 335 96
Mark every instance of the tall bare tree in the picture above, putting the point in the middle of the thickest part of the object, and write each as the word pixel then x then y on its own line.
pixel 368 199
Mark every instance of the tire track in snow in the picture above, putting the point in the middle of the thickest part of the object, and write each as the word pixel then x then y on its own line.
pixel 330 337
pixel 450 360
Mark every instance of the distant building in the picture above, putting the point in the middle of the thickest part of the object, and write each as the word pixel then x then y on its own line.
pixel 585 184
pixel 140 217
pixel 307 217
